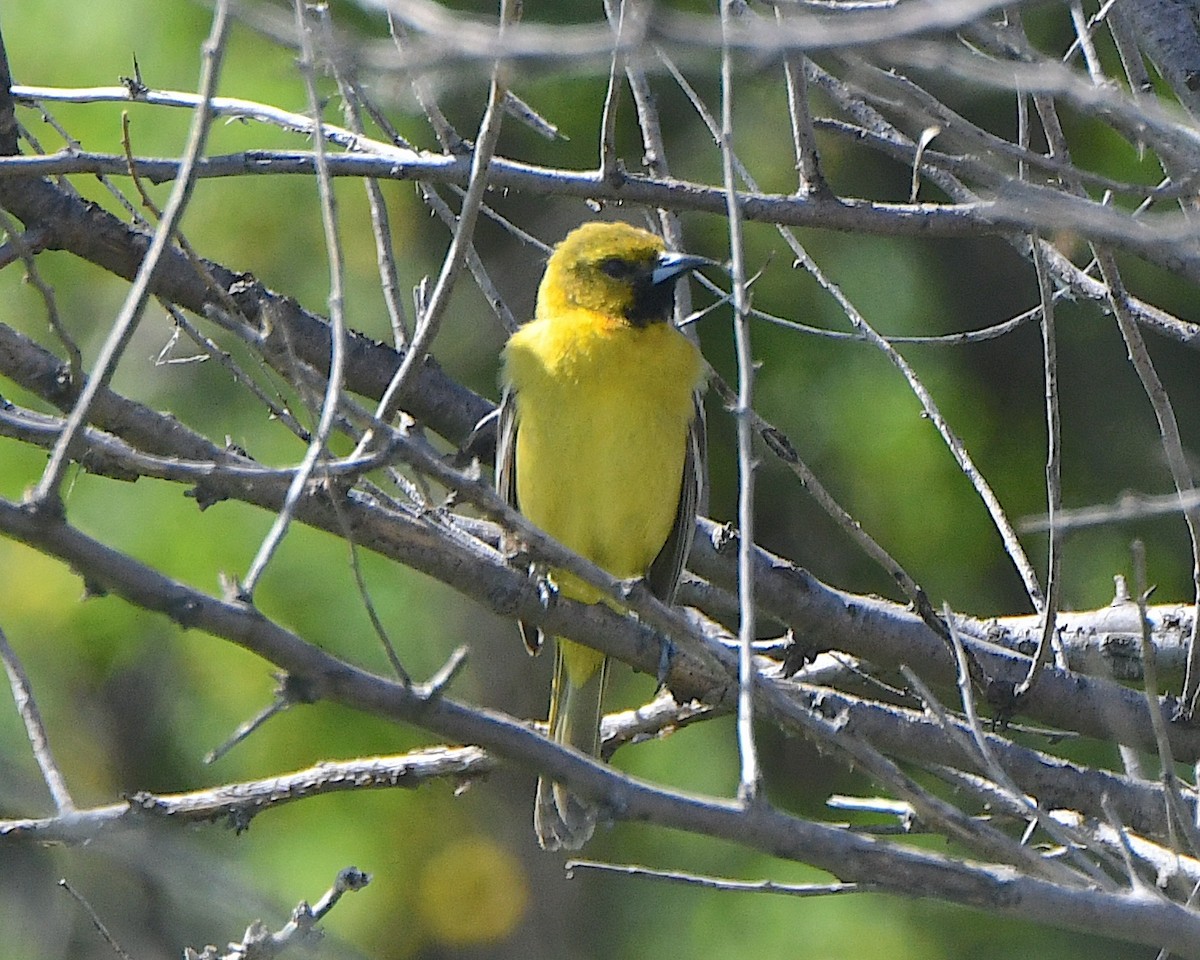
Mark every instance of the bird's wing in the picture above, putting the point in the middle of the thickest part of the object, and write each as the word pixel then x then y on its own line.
pixel 506 448
pixel 693 495
pixel 506 486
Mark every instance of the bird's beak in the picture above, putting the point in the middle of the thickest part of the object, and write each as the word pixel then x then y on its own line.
pixel 670 265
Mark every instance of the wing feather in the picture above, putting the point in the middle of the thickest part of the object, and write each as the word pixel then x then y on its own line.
pixel 667 567
pixel 506 486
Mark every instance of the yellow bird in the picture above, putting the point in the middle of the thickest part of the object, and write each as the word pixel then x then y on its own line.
pixel 601 444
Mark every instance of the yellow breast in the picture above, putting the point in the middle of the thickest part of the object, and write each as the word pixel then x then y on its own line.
pixel 603 410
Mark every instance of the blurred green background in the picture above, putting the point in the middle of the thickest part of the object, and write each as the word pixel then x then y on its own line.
pixel 132 703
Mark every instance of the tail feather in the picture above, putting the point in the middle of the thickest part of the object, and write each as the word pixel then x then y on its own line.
pixel 562 820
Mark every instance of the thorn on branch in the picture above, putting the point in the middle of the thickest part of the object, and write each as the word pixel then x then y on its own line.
pixel 515 107
pixel 798 656
pixel 206 495
pixel 65 386
pixel 134 85
pixel 93 589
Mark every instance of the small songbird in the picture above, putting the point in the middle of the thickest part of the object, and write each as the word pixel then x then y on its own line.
pixel 601 444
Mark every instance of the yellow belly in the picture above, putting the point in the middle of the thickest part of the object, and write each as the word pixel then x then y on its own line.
pixel 603 412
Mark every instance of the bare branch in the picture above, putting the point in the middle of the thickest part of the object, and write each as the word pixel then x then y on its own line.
pixel 260 943
pixel 1129 916
pixel 35 730
pixel 750 781
pixel 236 804
pixel 1161 240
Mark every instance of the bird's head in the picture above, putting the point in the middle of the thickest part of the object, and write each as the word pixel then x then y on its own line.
pixel 614 269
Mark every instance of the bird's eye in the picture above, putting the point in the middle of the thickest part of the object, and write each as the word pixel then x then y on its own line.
pixel 615 267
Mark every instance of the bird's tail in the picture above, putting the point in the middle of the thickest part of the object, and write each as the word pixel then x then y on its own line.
pixel 562 820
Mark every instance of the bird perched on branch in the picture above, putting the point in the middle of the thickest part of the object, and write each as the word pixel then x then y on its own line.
pixel 601 444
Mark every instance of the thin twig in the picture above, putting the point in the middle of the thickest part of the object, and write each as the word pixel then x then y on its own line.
pixel 439 206
pixel 750 780
pixel 436 685
pixel 18 241
pixel 1049 612
pixel 73 144
pixel 337 351
pixel 429 318
pixel 46 493
pixel 1181 472
pixel 1032 809
pixel 385 252
pixel 288 692
pixel 1130 506
pixel 804 141
pixel 35 730
pixel 779 444
pixel 446 135
pixel 982 335
pixel 608 169
pixel 1125 40
pixel 1126 849
pixel 718 883
pixel 1083 36
pixel 932 809
pixel 955 445
pixel 348 880
pixel 864 330
pixel 452 143
pixel 261 944
pixel 654 156
pixel 364 593
pixel 224 300
pixel 276 408
pixel 95 919
pixel 1172 444
pixel 1178 815
pixel 479 272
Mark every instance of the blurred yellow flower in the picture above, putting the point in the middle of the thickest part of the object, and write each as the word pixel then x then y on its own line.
pixel 470 892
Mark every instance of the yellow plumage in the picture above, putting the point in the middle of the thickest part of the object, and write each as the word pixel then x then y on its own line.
pixel 601 447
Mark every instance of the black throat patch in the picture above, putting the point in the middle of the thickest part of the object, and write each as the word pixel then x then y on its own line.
pixel 652 302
